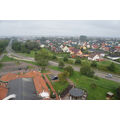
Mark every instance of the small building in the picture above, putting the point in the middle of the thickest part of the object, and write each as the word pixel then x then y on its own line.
pixel 109 95
pixel 76 94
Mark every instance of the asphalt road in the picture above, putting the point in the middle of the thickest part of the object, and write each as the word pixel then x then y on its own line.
pixel 76 68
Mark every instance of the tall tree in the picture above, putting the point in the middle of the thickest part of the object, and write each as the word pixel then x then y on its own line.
pixel 42 57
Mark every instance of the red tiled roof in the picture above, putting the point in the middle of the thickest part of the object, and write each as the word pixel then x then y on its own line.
pixel 39 82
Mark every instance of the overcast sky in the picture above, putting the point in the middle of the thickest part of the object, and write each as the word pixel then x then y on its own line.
pixel 60 27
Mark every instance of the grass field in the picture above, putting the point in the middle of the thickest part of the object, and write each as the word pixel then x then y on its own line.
pixel 104 64
pixel 1 65
pixel 31 54
pixel 60 86
pixel 55 68
pixel 102 86
pixel 99 92
pixel 7 59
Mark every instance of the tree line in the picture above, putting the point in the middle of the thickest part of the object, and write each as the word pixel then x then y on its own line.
pixel 25 47
pixel 3 44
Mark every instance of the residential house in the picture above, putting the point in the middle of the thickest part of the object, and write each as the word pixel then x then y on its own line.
pixel 117 49
pixel 95 46
pixel 65 49
pixel 75 52
pixel 95 57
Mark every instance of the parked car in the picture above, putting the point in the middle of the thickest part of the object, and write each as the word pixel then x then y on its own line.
pixel 109 76
pixel 54 78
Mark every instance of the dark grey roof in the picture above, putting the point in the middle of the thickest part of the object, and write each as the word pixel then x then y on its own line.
pixel 76 92
pixel 23 88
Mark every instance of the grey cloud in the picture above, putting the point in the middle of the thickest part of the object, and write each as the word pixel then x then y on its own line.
pixel 60 27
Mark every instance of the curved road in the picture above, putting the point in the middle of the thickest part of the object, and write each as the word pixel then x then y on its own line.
pixel 98 73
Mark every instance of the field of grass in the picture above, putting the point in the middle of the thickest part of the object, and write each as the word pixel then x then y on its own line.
pixel 104 64
pixel 55 68
pixel 99 92
pixel 102 86
pixel 1 65
pixel 62 54
pixel 60 86
pixel 7 59
pixel 31 54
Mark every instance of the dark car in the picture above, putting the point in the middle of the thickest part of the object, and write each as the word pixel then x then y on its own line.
pixel 54 78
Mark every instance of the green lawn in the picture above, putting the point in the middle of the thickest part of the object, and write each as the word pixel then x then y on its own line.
pixel 7 59
pixel 60 86
pixel 102 85
pixel 104 64
pixel 62 54
pixel 55 68
pixel 31 54
pixel 1 65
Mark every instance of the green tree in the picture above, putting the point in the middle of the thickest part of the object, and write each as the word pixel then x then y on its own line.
pixel 65 59
pixel 42 57
pixel 86 70
pixel 111 67
pixel 61 64
pixel 54 57
pixel 63 76
pixel 69 69
pixel 94 64
pixel 78 61
pixel 118 92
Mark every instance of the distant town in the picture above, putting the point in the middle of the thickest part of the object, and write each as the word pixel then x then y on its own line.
pixel 59 68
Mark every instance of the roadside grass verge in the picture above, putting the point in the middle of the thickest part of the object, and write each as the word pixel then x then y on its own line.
pixel 104 64
pixel 1 65
pixel 7 59
pixel 31 54
pixel 55 68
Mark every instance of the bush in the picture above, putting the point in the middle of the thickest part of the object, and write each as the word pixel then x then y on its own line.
pixel 70 61
pixel 65 59
pixel 54 57
pixel 63 76
pixel 61 64
pixel 93 85
pixel 86 70
pixel 0 65
pixel 69 69
pixel 96 77
pixel 111 67
pixel 118 92
pixel 78 61
pixel 94 64
pixel 52 95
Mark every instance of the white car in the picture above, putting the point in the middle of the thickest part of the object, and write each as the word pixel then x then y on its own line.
pixel 109 76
